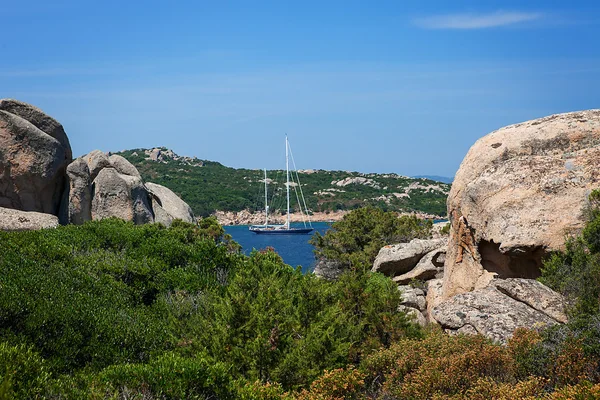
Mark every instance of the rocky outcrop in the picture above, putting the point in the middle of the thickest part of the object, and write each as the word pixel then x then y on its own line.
pixel 34 154
pixel 168 206
pixel 103 186
pixel 498 309
pixel 121 196
pixel 37 174
pixel 413 297
pixel 401 258
pixel 505 196
pixel 430 266
pixel 413 303
pixel 536 295
pixel 17 220
pixel 419 261
pixel 40 120
pixel 164 155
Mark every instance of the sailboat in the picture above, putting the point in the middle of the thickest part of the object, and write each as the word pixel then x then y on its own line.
pixel 285 228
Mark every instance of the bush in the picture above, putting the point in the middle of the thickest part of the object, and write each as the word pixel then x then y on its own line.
pixel 275 324
pixel 339 384
pixel 439 364
pixel 24 374
pixel 170 376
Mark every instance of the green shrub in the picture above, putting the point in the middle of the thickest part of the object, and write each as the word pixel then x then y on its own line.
pixel 116 309
pixel 276 324
pixel 170 376
pixel 24 374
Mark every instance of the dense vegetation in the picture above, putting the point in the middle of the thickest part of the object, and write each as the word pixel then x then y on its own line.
pixel 111 310
pixel 212 186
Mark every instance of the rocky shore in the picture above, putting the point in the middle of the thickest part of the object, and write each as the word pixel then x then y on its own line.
pixel 247 217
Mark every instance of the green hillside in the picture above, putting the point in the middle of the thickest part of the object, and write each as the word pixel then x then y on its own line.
pixel 208 186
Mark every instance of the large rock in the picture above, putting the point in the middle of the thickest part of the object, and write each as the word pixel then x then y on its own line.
pixel 536 295
pixel 78 196
pixel 427 268
pixel 516 195
pixel 168 206
pixel 34 153
pixel 498 309
pixel 413 297
pixel 400 258
pixel 40 120
pixel 17 220
pixel 121 196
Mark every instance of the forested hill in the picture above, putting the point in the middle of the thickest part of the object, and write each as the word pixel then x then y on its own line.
pixel 208 186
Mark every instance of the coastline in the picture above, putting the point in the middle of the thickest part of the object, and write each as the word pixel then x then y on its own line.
pixel 246 217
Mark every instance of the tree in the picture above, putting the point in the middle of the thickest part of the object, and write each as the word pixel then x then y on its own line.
pixel 357 238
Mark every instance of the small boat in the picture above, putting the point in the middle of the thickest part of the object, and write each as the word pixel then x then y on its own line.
pixel 286 228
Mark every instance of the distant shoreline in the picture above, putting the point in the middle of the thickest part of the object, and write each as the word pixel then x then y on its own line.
pixel 246 217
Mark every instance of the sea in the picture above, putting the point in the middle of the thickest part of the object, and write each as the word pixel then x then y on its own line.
pixel 294 249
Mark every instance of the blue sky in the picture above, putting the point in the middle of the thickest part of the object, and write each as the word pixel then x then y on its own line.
pixel 385 86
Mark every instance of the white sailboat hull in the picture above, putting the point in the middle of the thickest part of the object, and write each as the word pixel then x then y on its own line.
pixel 270 230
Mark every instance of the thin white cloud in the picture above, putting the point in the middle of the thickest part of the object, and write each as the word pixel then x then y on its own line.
pixel 476 20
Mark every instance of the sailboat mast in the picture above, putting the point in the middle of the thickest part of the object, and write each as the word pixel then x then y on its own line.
pixel 266 201
pixel 287 174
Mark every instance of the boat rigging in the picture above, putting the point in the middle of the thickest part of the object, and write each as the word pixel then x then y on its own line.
pixel 285 228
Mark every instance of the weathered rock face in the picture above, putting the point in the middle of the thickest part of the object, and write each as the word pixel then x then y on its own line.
pixel 428 267
pixel 168 206
pixel 413 297
pixel 536 295
pixel 40 120
pixel 34 153
pixel 433 297
pixel 78 203
pixel 498 309
pixel 17 220
pixel 518 191
pixel 121 196
pixel 401 258
pixel 123 166
pixel 96 161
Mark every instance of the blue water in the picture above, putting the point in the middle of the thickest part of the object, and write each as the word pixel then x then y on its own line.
pixel 294 249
